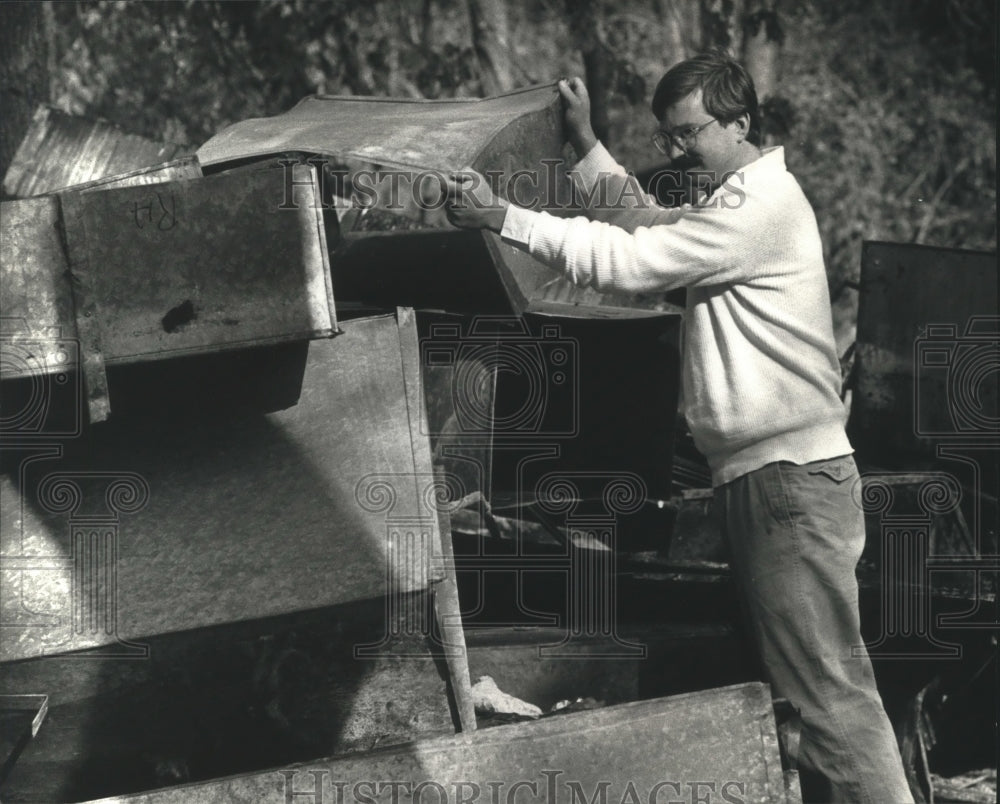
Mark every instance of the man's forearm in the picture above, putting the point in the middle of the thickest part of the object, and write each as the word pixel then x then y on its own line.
pixel 611 194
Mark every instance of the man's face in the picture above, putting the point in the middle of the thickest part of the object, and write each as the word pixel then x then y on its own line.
pixel 713 149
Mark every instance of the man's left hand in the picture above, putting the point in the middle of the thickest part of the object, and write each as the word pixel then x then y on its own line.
pixel 472 204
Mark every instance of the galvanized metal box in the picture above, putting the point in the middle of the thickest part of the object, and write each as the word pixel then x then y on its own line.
pixel 142 273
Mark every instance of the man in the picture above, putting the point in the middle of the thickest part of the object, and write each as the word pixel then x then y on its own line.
pixel 761 385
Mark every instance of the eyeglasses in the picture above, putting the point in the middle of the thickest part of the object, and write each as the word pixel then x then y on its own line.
pixel 683 139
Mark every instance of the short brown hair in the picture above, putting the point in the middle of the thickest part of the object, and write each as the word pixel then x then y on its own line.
pixel 727 89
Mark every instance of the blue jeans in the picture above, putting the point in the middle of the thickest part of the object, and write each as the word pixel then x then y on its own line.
pixel 795 534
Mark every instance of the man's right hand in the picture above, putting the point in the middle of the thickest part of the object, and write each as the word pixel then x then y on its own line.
pixel 576 106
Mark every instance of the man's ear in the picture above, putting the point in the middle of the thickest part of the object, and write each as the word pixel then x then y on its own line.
pixel 742 124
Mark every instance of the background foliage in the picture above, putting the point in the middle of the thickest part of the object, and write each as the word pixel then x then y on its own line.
pixel 887 107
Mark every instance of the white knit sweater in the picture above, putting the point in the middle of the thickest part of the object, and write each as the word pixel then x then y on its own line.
pixel 761 378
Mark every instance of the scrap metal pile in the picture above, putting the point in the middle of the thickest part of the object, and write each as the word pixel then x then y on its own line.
pixel 244 415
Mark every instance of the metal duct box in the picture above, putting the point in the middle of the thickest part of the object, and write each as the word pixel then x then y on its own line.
pixel 229 517
pixel 383 156
pixel 160 271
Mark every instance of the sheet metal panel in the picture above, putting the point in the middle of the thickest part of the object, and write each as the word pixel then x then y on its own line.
pixel 928 351
pixel 412 133
pixel 213 517
pixel 716 740
pixel 184 168
pixel 20 718
pixel 231 699
pixel 61 150
pixel 38 324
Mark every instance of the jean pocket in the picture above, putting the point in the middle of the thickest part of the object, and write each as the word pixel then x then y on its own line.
pixel 837 469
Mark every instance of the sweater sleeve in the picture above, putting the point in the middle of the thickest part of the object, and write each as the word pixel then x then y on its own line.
pixel 702 246
pixel 612 195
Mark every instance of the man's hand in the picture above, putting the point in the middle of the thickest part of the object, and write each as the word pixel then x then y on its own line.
pixel 472 204
pixel 576 112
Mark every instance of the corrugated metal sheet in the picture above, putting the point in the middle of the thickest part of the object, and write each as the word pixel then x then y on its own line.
pixel 61 150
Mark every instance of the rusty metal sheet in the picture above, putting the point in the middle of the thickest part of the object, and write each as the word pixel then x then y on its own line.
pixel 928 351
pixel 721 743
pixel 61 150
pixel 213 517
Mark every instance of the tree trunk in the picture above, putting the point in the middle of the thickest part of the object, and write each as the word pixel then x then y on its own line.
pixel 585 23
pixel 491 41
pixel 24 73
pixel 762 40
pixel 681 25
